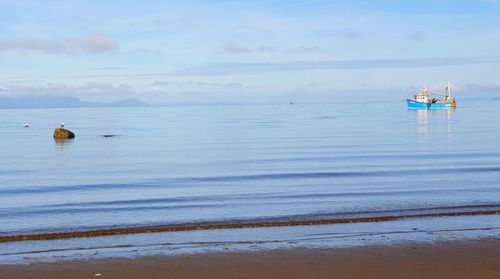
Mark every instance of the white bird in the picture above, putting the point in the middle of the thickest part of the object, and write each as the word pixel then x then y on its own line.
pixel 26 125
pixel 62 125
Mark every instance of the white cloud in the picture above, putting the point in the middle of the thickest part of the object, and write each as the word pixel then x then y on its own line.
pixel 239 49
pixel 193 83
pixel 493 87
pixel 231 68
pixel 234 48
pixel 91 90
pixel 90 45
pixel 107 68
pixel 304 49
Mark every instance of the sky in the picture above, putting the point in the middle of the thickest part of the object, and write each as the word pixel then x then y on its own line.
pixel 247 51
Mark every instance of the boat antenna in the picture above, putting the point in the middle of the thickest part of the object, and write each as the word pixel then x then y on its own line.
pixel 448 90
pixel 426 90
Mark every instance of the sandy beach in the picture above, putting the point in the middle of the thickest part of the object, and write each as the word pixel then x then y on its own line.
pixel 456 259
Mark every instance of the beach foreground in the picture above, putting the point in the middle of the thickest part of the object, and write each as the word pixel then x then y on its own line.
pixel 452 259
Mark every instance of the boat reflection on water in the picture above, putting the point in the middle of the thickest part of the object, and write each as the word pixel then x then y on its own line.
pixel 422 122
pixel 434 127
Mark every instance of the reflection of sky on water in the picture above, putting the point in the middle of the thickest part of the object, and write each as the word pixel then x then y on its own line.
pixel 209 163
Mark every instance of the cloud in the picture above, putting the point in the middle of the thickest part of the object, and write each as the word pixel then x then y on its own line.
pixel 265 49
pixel 238 49
pixel 109 68
pixel 418 36
pixel 316 83
pixel 233 48
pixel 143 50
pixel 304 49
pixel 90 45
pixel 344 33
pixel 230 68
pixel 97 43
pixel 349 34
pixel 90 89
pixel 491 87
pixel 242 68
pixel 192 83
pixel 111 76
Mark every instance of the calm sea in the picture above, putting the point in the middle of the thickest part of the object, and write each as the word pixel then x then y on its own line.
pixel 177 165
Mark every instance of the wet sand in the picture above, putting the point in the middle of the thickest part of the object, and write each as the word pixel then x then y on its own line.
pixel 458 259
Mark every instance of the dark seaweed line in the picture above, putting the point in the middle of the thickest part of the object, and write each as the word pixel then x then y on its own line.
pixel 312 237
pixel 231 225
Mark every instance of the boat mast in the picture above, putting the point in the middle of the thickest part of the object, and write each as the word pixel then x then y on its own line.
pixel 448 90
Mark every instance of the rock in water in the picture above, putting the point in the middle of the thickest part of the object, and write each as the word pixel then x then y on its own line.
pixel 61 133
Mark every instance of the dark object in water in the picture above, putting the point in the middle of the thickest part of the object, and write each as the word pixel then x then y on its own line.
pixel 109 136
pixel 253 223
pixel 61 134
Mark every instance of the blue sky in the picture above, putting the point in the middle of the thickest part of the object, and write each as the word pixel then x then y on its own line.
pixel 247 51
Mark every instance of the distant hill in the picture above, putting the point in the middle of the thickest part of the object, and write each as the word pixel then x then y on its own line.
pixel 127 103
pixel 60 102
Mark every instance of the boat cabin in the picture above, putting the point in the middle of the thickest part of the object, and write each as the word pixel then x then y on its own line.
pixel 422 97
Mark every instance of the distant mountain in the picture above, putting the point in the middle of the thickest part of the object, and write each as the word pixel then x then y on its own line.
pixel 127 103
pixel 60 102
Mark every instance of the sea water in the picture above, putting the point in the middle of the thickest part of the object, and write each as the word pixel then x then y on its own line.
pixel 218 163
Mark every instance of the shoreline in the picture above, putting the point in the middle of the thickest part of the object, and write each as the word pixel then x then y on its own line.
pixel 332 236
pixel 246 224
pixel 447 259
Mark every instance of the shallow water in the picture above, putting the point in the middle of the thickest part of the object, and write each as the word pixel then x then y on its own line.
pixel 175 165
pixel 408 231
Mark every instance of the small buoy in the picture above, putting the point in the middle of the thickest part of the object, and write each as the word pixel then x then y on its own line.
pixel 26 125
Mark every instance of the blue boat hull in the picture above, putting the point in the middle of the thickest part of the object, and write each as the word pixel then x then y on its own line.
pixel 419 105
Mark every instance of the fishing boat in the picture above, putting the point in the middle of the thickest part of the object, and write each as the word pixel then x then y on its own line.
pixel 424 100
